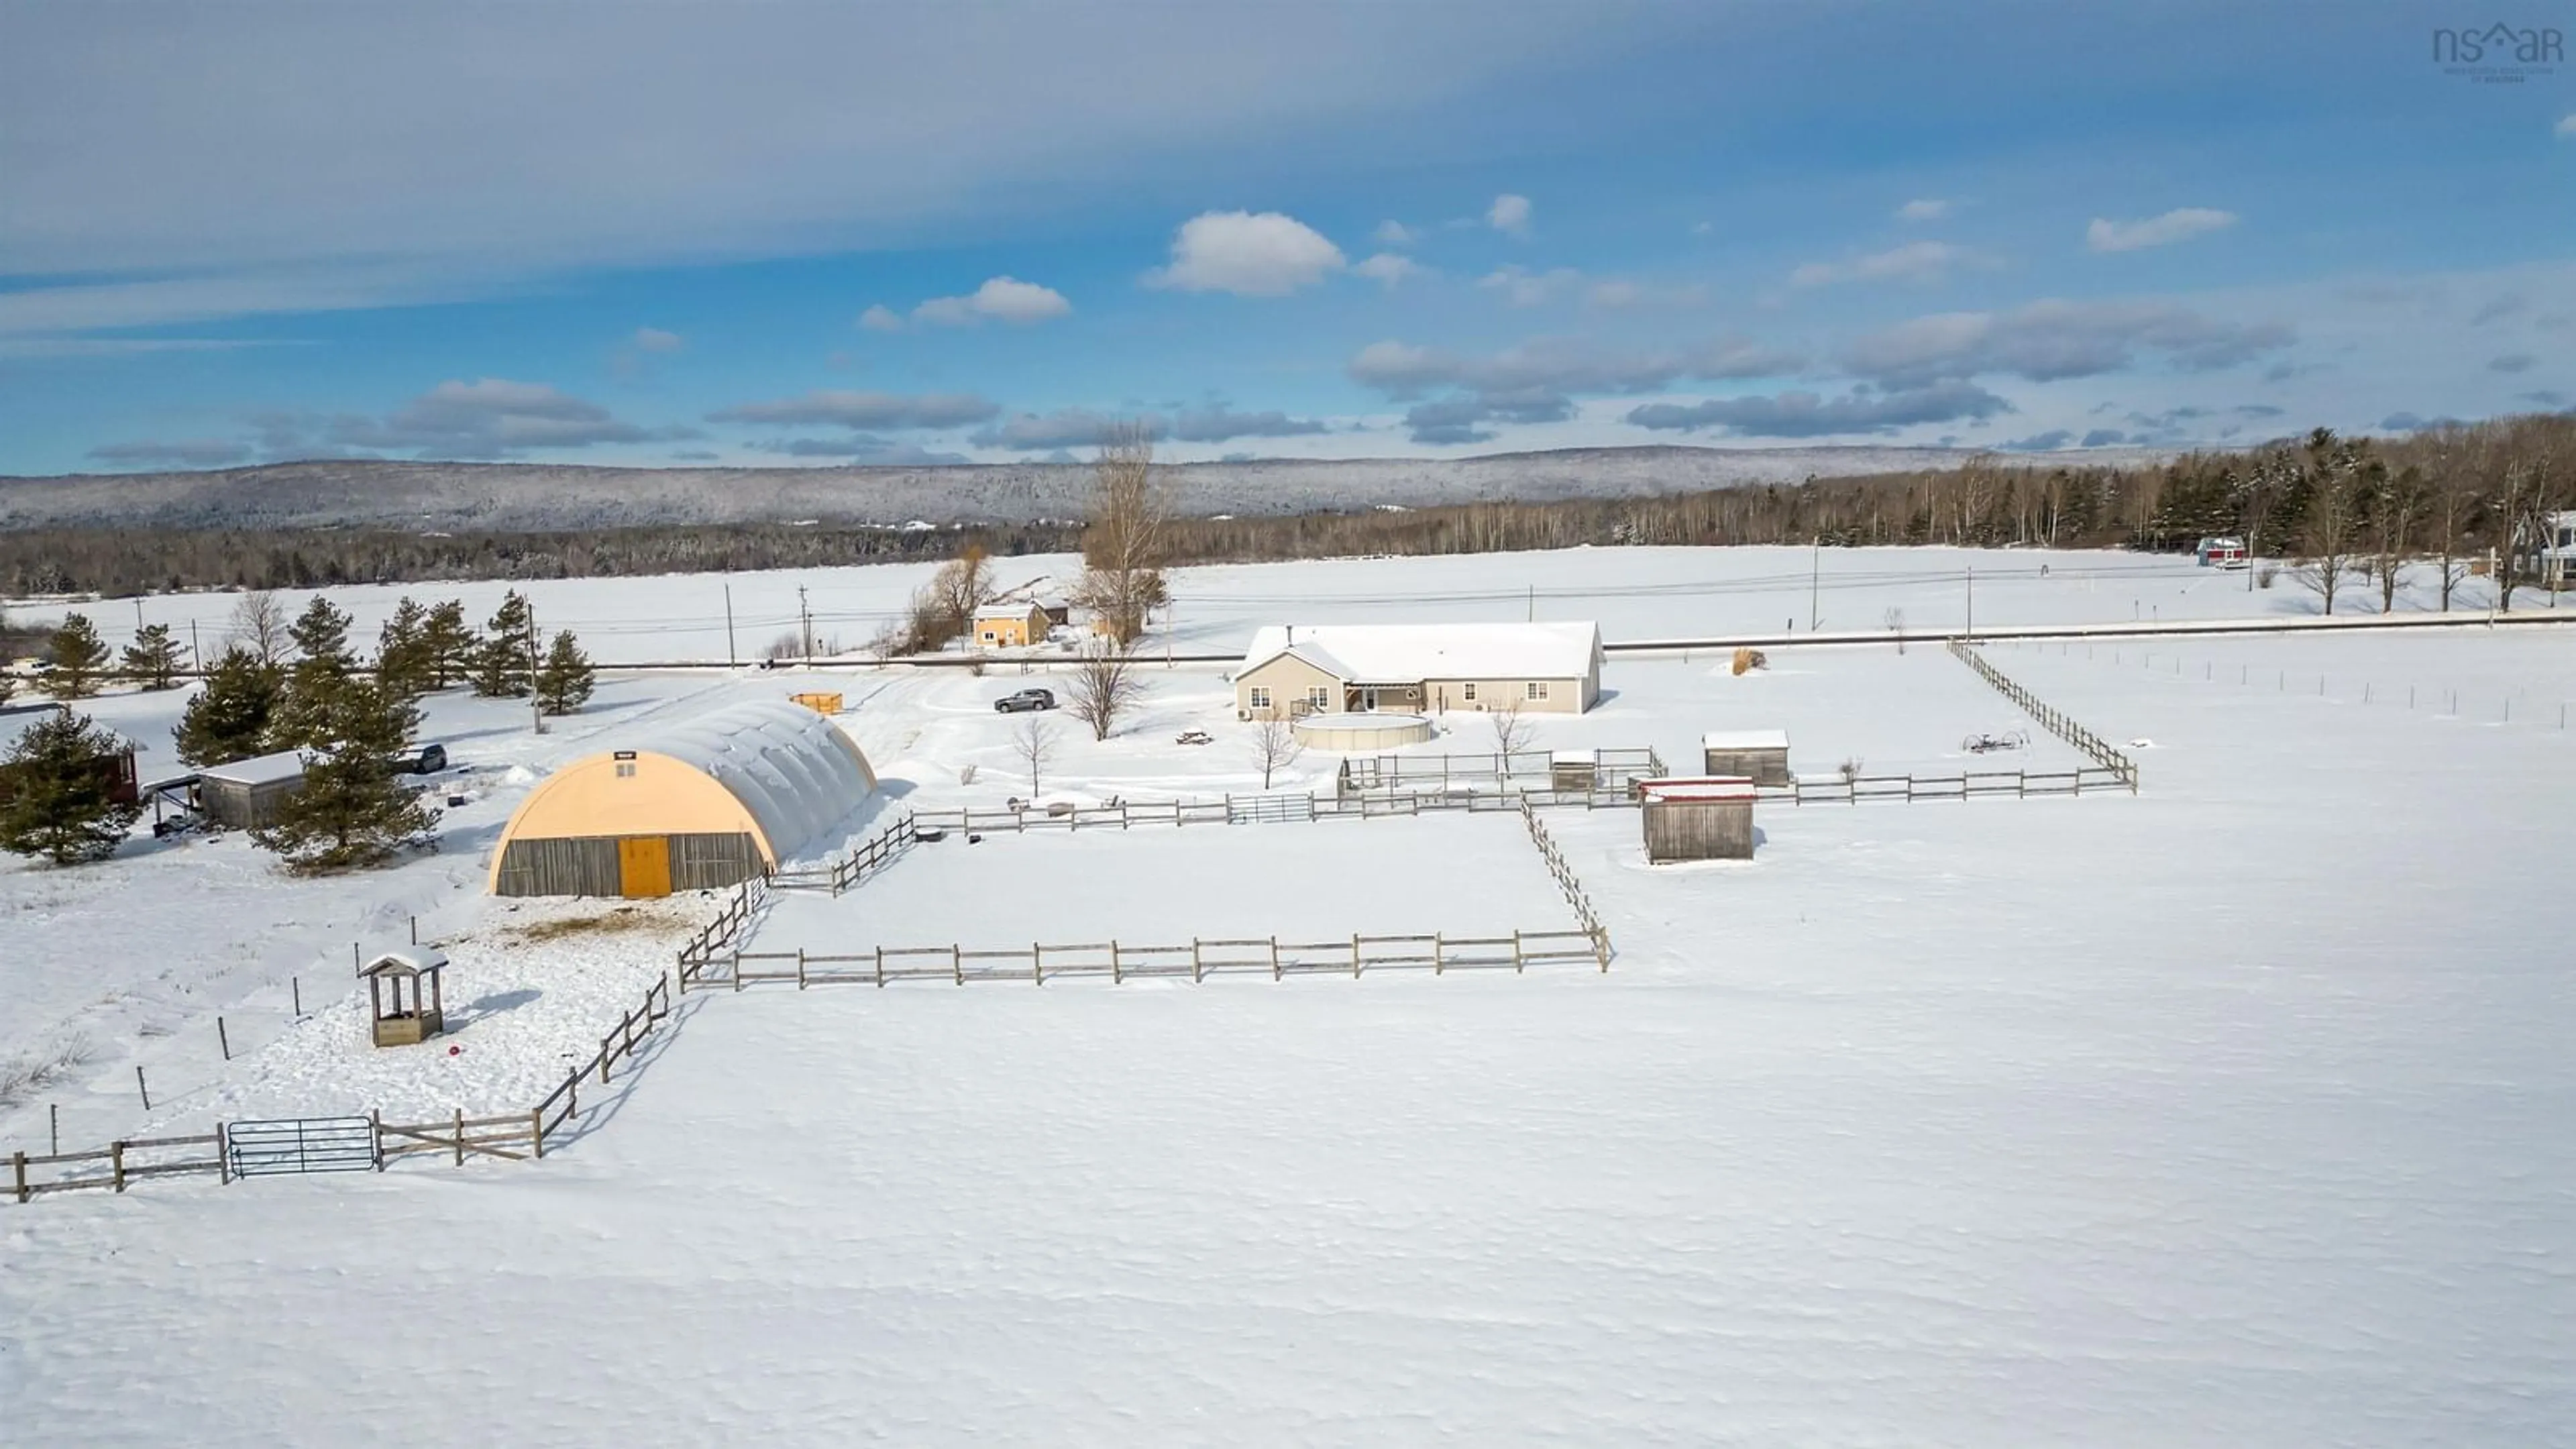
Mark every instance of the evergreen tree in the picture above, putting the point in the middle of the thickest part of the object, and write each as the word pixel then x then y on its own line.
pixel 565 680
pixel 405 663
pixel 228 720
pixel 505 661
pixel 152 660
pixel 76 664
pixel 353 810
pixel 447 643
pixel 322 670
pixel 60 805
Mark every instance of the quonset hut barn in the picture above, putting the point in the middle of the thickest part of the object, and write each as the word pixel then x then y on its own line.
pixel 700 803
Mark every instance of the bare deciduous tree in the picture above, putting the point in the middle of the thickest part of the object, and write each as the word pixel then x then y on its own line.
pixel 1103 687
pixel 1033 745
pixel 1123 546
pixel 1275 745
pixel 944 608
pixel 259 624
pixel 1511 732
pixel 2340 484
pixel 1895 618
pixel 2394 509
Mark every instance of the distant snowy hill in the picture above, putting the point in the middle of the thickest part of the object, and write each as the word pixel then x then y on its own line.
pixel 530 496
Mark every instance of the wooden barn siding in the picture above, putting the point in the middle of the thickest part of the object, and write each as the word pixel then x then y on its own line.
pixel 243 807
pixel 1763 767
pixel 587 865
pixel 1699 829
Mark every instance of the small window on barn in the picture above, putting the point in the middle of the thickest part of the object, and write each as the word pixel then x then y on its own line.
pixel 1260 697
pixel 1471 691
pixel 626 769
pixel 1537 689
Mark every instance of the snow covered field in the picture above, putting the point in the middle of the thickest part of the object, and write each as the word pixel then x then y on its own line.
pixel 1634 593
pixel 2231 1112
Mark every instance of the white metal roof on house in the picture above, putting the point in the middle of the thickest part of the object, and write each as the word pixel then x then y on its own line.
pixel 1407 653
pixel 791 768
pixel 1745 740
pixel 258 769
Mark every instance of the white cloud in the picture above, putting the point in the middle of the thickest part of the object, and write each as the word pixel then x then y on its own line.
pixel 489 417
pixel 654 339
pixel 2181 225
pixel 881 318
pixel 1002 299
pixel 1619 293
pixel 865 410
pixel 1524 288
pixel 1389 269
pixel 2052 340
pixel 2567 125
pixel 1509 213
pixel 1396 234
pixel 1923 261
pixel 1250 254
pixel 1925 209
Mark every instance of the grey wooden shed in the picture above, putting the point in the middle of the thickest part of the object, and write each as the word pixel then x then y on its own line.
pixel 1701 819
pixel 245 794
pixel 1761 756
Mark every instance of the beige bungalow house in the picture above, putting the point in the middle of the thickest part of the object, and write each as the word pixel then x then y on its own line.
pixel 1301 669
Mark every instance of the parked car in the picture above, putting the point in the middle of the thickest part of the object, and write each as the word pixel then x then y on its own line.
pixel 427 760
pixel 1025 699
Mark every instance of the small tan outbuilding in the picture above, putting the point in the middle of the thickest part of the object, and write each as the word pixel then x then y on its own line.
pixel 708 802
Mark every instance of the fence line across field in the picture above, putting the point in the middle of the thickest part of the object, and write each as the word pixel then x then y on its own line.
pixel 2055 721
pixel 2545 712
pixel 1196 960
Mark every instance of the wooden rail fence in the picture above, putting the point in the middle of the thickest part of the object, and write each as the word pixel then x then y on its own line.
pixel 511 1136
pixel 1572 885
pixel 1202 957
pixel 2054 720
pixel 1972 785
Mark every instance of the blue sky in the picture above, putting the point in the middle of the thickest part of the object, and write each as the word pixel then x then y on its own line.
pixel 783 233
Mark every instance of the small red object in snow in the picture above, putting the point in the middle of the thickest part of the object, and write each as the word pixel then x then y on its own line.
pixel 451 1051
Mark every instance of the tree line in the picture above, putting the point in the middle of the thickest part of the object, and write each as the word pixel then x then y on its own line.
pixel 296 685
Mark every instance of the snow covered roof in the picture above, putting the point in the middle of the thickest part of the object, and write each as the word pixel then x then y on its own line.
pixel 1713 787
pixel 17 719
pixel 413 959
pixel 1020 609
pixel 1406 653
pixel 791 768
pixel 1745 740
pixel 258 769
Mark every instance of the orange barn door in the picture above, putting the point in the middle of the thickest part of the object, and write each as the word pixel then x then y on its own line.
pixel 644 866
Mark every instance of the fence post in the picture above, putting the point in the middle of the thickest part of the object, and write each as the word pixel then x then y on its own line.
pixel 537 1133
pixel 1197 971
pixel 603 1058
pixel 143 1087
pixel 800 968
pixel 737 971
pixel 881 968
pixel 1518 965
pixel 116 1163
pixel 223 1157
pixel 460 1137
pixel 1116 975
pixel 1274 958
pixel 1355 955
pixel 376 1135
pixel 18 1163
pixel 223 1040
pixel 1437 963
pixel 957 962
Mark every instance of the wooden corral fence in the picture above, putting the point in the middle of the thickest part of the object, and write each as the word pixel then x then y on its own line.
pixel 1572 885
pixel 879 851
pixel 2054 720
pixel 1973 785
pixel 720 933
pixel 512 1136
pixel 1613 769
pixel 1202 957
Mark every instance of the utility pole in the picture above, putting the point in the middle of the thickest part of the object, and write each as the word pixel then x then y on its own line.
pixel 536 701
pixel 1815 567
pixel 1972 601
pixel 730 658
pixel 196 655
pixel 805 618
pixel 1532 617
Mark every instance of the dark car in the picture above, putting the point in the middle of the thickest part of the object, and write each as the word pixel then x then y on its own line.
pixel 1025 699
pixel 427 760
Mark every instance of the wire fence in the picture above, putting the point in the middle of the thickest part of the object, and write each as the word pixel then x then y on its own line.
pixel 2055 721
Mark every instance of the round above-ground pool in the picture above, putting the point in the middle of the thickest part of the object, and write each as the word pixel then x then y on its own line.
pixel 1362 731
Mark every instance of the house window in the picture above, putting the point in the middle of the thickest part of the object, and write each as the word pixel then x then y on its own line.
pixel 990 636
pixel 1260 697
pixel 1537 689
pixel 1471 691
pixel 1319 697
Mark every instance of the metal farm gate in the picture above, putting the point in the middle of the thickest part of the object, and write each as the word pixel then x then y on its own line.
pixel 1245 809
pixel 301 1144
